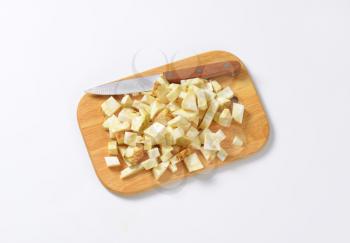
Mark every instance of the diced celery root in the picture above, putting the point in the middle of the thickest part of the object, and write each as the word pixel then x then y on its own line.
pixel 168 124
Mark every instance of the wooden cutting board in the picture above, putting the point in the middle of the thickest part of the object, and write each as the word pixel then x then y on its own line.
pixel 254 130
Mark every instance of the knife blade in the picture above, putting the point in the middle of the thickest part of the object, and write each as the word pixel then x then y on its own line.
pixel 140 84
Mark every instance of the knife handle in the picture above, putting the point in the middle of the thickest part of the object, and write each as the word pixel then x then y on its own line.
pixel 206 71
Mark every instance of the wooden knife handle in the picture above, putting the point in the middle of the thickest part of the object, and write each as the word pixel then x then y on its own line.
pixel 206 71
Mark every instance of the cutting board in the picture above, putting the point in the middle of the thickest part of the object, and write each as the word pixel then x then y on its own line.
pixel 254 130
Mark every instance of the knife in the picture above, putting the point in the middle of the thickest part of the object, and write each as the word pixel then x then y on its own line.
pixel 140 84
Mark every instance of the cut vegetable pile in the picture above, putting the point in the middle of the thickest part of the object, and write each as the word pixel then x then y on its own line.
pixel 169 125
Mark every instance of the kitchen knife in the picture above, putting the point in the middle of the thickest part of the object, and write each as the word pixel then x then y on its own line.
pixel 140 84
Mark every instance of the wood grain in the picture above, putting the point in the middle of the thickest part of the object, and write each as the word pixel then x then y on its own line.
pixel 206 71
pixel 254 130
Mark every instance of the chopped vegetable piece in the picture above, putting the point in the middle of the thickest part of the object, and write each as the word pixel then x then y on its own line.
pixel 183 94
pixel 226 93
pixel 166 157
pixel 208 87
pixel 109 121
pixel 149 164
pixel 159 170
pixel 209 115
pixel 166 149
pixel 156 130
pixel 225 118
pixel 138 156
pixel 156 107
pixel 237 141
pixel 202 135
pixel 118 127
pixel 160 91
pixel 131 170
pixel 144 108
pixel 126 101
pixel 179 121
pixel 222 154
pixel 112 161
pixel 174 93
pixel 183 141
pixel 220 135
pixel 110 106
pixel 172 167
pixel 140 139
pixel 162 80
pixel 223 102
pixel 209 155
pixel 168 136
pixel 237 112
pixel 195 143
pixel 148 142
pixel 163 117
pixel 144 112
pixel 129 152
pixel 148 99
pixel 189 102
pixel 180 156
pixel 189 115
pixel 138 123
pixel 193 89
pixel 193 163
pixel 196 81
pixel 201 100
pixel 216 86
pixel 112 147
pixel 211 142
pixel 153 153
pixel 192 132
pixel 127 114
pixel 177 133
pixel 130 138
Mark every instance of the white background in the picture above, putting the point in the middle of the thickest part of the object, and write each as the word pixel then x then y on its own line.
pixel 296 190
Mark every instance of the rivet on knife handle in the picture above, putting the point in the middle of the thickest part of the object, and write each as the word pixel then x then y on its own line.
pixel 204 71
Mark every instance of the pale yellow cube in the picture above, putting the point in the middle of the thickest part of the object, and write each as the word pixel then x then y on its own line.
pixel 209 155
pixel 226 93
pixel 166 157
pixel 238 112
pixel 131 170
pixel 130 138
pixel 110 106
pixel 209 115
pixel 126 101
pixel 225 118
pixel 112 161
pixel 159 170
pixel 201 100
pixel 174 93
pixel 216 86
pixel 137 123
pixel 237 141
pixel 149 164
pixel 156 107
pixel 148 99
pixel 222 154
pixel 112 147
pixel 193 163
pixel 109 121
pixel 153 153
pixel 189 103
